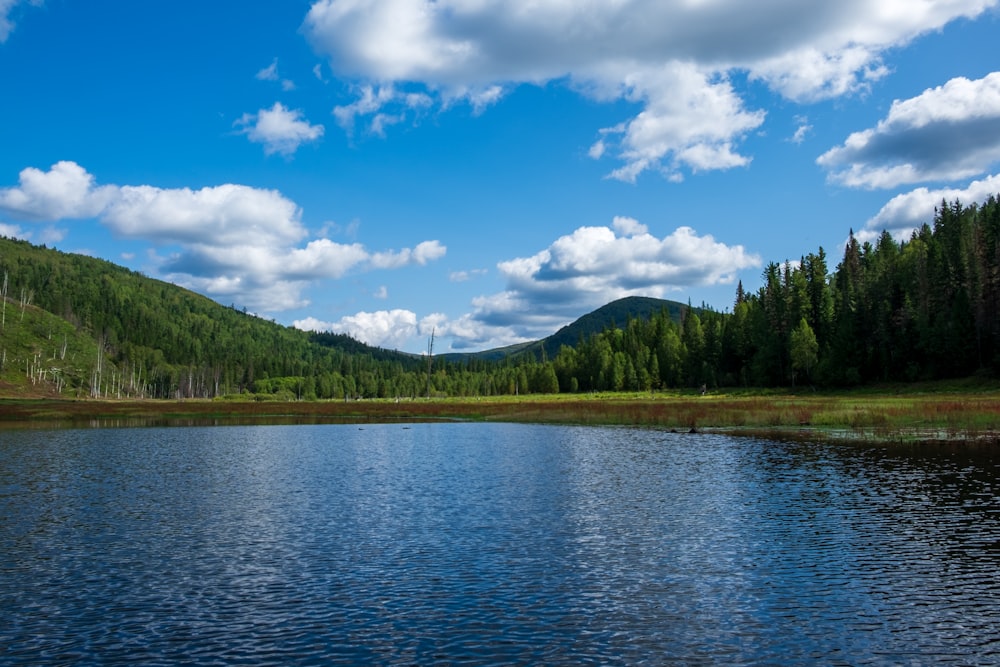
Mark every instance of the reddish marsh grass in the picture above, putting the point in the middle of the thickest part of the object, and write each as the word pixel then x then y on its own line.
pixel 959 415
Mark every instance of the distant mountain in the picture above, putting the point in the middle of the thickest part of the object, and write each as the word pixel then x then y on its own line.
pixel 616 313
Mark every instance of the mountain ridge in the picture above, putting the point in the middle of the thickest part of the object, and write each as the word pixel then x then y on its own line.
pixel 148 337
pixel 614 313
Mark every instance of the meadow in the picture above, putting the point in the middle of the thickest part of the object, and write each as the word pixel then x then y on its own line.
pixel 957 413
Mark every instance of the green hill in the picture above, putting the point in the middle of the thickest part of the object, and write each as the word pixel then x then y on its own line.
pixel 129 335
pixel 178 342
pixel 44 355
pixel 615 314
pixel 923 309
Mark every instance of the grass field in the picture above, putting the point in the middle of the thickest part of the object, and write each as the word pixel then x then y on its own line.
pixel 966 412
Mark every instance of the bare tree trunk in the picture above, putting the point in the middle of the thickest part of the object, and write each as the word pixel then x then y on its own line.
pixel 26 296
pixel 3 297
pixel 430 361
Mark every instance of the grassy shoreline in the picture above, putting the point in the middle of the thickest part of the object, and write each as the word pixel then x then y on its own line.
pixel 910 414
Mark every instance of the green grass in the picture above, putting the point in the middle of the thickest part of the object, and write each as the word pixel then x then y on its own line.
pixel 43 355
pixel 890 415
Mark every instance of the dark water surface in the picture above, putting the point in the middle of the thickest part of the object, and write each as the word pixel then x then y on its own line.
pixel 491 544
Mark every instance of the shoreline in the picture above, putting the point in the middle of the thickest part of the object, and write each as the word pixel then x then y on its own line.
pixel 947 418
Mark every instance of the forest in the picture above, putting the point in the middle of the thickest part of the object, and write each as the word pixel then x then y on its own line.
pixel 924 308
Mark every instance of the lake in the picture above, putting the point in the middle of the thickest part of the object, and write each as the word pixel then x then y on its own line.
pixel 483 544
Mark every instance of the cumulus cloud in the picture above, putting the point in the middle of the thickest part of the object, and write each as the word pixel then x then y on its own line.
pixel 906 212
pixel 390 329
pixel 577 273
pixel 587 269
pixel 281 130
pixel 689 121
pixel 676 60
pixel 944 134
pixel 228 214
pixel 232 242
pixel 65 191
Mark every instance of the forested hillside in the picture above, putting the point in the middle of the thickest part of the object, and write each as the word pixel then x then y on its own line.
pixel 924 308
pixel 178 343
pixel 151 339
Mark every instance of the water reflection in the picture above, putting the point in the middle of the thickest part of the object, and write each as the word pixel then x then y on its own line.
pixel 491 544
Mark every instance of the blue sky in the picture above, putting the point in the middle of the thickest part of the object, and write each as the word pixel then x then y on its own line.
pixel 488 169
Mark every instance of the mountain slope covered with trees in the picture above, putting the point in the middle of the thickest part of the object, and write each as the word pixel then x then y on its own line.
pixel 924 308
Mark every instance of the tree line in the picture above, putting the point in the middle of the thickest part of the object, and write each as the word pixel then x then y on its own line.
pixel 924 308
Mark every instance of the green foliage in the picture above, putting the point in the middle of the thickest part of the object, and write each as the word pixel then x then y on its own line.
pixel 804 349
pixel 923 309
pixel 41 354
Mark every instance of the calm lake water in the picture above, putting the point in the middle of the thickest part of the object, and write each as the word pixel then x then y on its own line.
pixel 490 544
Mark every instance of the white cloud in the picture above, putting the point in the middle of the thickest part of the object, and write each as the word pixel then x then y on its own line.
pixel 626 226
pixel 281 130
pixel 469 333
pixel 463 276
pixel 6 22
pixel 227 214
pixel 906 212
pixel 688 119
pixel 808 74
pixel 52 234
pixel 6 25
pixel 381 293
pixel 65 191
pixel 242 288
pixel 13 231
pixel 481 99
pixel 229 241
pixel 674 59
pixel 370 102
pixel 944 134
pixel 384 120
pixel 803 129
pixel 588 268
pixel 269 73
pixel 390 329
pixel 597 149
pixel 577 273
pixel 424 252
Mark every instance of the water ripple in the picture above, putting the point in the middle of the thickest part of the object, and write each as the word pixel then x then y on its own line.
pixel 477 544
